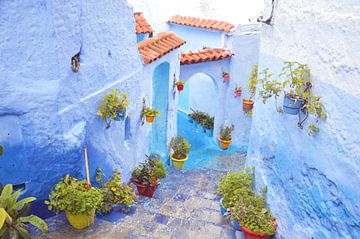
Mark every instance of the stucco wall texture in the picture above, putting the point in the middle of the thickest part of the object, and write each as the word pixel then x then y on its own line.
pixel 48 112
pixel 313 182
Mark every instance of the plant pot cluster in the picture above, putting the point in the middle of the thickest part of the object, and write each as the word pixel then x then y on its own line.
pixel 113 107
pixel 147 176
pixel 225 136
pixel 80 200
pixel 243 208
pixel 202 121
pixel 180 147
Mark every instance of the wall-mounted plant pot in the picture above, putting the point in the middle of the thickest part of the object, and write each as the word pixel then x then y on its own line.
pixel 180 87
pixel 248 105
pixel 120 115
pixel 209 132
pixel 178 163
pixel 80 221
pixel 147 190
pixel 248 234
pixel 226 78
pixel 149 118
pixel 190 119
pixel 292 106
pixel 224 144
pixel 238 93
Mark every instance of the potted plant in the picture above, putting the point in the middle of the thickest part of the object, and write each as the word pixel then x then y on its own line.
pixel 78 199
pixel 180 85
pixel 181 148
pixel 238 91
pixel 14 215
pixel 114 192
pixel 248 103
pixel 225 136
pixel 113 107
pixel 226 76
pixel 150 114
pixel 297 76
pixel 147 175
pixel 209 126
pixel 250 211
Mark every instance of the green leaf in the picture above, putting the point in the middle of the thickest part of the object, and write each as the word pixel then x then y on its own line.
pixel 36 221
pixel 1 150
pixel 22 230
pixel 3 216
pixel 21 203
pixel 6 193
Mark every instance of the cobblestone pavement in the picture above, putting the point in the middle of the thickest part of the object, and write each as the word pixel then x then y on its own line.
pixel 184 206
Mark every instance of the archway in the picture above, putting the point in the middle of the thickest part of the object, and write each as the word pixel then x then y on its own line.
pixel 160 102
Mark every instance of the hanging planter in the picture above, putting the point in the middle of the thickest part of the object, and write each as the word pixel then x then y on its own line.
pixel 226 76
pixel 150 114
pixel 181 148
pixel 238 91
pixel 113 107
pixel 180 85
pixel 225 136
pixel 248 104
pixel 292 105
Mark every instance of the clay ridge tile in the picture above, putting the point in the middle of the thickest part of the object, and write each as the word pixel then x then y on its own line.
pixel 212 54
pixel 142 26
pixel 159 45
pixel 203 23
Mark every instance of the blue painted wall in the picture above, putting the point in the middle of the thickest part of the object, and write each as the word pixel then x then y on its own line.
pixel 196 37
pixel 48 112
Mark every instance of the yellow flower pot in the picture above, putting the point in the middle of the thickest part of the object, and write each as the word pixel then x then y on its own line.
pixel 178 163
pixel 80 221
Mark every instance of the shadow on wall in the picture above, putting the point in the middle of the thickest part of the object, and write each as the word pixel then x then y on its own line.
pixel 200 93
pixel 160 102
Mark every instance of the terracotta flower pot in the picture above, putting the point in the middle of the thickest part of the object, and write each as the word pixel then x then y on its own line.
pixel 224 144
pixel 248 105
pixel 180 87
pixel 150 118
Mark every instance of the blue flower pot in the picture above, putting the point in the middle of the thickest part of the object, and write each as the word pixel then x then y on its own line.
pixel 120 115
pixel 235 224
pixel 223 209
pixel 202 129
pixel 209 132
pixel 292 106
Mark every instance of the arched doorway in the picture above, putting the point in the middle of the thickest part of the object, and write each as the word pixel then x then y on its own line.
pixel 160 102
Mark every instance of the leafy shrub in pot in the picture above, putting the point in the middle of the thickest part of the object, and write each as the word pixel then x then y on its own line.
pixel 181 148
pixel 225 136
pixel 78 199
pixel 248 103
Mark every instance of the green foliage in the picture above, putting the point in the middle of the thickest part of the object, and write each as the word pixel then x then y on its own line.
pixel 225 132
pixel 1 150
pixel 110 103
pixel 297 76
pixel 270 87
pixel 74 196
pixel 180 82
pixel 312 130
pixel 249 113
pixel 180 146
pixel 230 184
pixel 202 118
pixel 249 209
pixel 14 214
pixel 238 89
pixel 150 112
pixel 149 172
pixel 252 81
pixel 114 192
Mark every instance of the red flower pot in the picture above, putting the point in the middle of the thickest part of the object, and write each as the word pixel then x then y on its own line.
pixel 238 93
pixel 248 234
pixel 180 87
pixel 226 77
pixel 147 190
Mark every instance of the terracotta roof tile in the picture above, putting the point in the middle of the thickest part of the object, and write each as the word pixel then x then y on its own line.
pixel 159 45
pixel 203 23
pixel 212 54
pixel 142 26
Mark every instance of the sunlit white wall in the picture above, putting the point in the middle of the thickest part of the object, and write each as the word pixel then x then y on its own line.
pixel 158 12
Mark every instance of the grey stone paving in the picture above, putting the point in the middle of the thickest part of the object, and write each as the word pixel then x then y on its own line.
pixel 184 206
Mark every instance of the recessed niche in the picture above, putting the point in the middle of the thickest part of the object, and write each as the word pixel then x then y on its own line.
pixel 75 62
